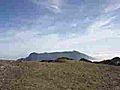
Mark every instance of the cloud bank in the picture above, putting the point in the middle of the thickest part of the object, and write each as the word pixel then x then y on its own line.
pixel 60 25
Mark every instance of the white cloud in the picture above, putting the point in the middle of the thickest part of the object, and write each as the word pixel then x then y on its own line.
pixel 106 54
pixel 112 5
pixel 101 22
pixel 24 42
pixel 52 5
pixel 54 9
pixel 20 43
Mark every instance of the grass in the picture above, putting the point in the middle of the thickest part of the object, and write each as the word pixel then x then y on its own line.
pixel 72 75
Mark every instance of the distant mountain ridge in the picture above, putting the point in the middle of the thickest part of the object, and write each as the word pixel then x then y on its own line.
pixel 115 61
pixel 75 55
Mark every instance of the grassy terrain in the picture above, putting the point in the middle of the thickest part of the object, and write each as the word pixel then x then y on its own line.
pixel 70 75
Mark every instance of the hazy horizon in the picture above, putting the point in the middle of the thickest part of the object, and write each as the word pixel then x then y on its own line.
pixel 88 26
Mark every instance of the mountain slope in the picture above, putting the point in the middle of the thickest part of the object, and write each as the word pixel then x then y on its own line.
pixel 115 61
pixel 75 55
pixel 71 75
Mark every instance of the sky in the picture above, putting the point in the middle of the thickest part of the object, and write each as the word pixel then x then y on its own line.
pixel 88 26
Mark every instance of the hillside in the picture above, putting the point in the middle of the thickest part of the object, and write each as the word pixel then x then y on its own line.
pixel 75 55
pixel 69 75
pixel 115 61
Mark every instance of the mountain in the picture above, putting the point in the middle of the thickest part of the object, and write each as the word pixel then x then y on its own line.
pixel 85 60
pixel 75 55
pixel 115 61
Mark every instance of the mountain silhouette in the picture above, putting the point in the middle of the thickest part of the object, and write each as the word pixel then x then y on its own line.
pixel 75 55
pixel 115 61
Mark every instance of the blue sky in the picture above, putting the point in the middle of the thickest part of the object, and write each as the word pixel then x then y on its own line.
pixel 89 26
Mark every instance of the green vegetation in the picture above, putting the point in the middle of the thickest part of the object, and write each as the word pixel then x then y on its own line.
pixel 71 75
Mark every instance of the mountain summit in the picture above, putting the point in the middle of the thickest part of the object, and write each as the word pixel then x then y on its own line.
pixel 75 55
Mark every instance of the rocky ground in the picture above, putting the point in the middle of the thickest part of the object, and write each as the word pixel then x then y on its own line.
pixel 70 75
